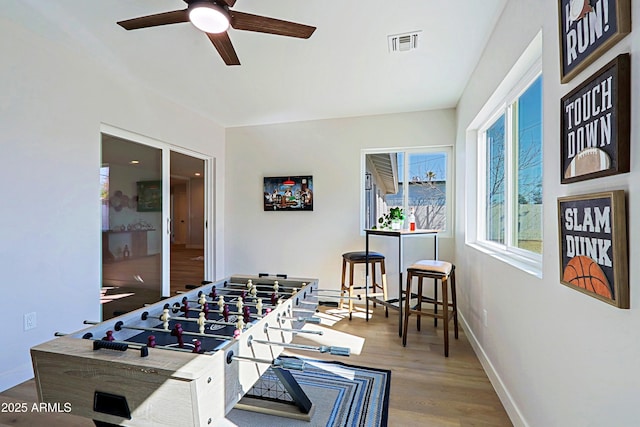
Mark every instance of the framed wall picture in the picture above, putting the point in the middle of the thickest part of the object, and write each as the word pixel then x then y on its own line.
pixel 593 246
pixel 288 193
pixel 595 124
pixel 587 29
pixel 149 196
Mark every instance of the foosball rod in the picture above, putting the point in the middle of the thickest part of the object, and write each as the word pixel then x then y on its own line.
pixel 146 316
pixel 281 289
pixel 297 365
pixel 294 331
pixel 336 351
pixel 212 301
pixel 331 291
pixel 197 310
pixel 119 326
pixel 137 345
pixel 314 320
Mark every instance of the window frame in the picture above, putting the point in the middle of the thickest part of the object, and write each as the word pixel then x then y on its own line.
pixel 450 184
pixel 508 107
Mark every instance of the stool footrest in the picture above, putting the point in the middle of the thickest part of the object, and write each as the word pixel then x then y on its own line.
pixel 392 303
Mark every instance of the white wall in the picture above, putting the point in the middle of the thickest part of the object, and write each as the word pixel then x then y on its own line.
pixel 556 356
pixel 53 102
pixel 310 244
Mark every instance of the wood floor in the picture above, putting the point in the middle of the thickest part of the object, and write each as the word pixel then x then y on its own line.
pixel 130 284
pixel 427 389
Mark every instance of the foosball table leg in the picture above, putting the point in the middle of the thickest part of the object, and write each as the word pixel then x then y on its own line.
pixel 298 395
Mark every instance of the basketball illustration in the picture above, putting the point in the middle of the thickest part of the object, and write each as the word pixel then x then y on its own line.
pixel 584 272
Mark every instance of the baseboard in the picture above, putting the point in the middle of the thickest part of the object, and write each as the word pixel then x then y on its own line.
pixel 505 397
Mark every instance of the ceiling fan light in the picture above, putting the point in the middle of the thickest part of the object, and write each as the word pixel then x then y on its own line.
pixel 208 17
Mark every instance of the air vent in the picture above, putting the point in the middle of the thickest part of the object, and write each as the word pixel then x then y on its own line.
pixel 403 42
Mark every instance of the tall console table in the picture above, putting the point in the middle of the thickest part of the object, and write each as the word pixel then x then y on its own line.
pixel 400 236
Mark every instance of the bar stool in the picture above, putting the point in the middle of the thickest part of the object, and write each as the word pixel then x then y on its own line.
pixel 354 258
pixel 445 272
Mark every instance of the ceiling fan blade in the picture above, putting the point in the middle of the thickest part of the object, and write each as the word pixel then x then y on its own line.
pixel 173 17
pixel 229 3
pixel 263 24
pixel 223 45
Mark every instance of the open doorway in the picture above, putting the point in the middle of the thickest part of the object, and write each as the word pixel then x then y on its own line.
pixel 187 207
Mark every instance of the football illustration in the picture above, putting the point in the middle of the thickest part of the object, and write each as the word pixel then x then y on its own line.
pixel 578 9
pixel 587 161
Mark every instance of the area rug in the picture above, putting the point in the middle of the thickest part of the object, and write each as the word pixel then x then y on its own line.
pixel 344 396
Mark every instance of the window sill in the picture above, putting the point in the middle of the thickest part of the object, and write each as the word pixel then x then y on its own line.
pixel 525 264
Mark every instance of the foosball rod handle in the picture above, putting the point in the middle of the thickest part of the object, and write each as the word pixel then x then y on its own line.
pixel 291 364
pixel 314 320
pixel 335 351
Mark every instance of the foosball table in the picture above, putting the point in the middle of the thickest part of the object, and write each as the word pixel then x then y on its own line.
pixel 186 360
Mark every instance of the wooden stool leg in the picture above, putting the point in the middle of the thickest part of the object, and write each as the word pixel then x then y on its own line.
pixel 342 288
pixel 435 302
pixel 373 278
pixel 350 290
pixel 454 302
pixel 419 304
pixel 385 297
pixel 445 315
pixel 407 307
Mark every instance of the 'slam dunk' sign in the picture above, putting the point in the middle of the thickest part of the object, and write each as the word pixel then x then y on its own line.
pixel 593 246
pixel 587 29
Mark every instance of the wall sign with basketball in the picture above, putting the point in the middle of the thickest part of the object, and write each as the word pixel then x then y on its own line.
pixel 595 124
pixel 593 246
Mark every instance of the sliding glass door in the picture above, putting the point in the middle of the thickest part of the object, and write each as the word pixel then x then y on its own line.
pixel 132 225
pixel 155 235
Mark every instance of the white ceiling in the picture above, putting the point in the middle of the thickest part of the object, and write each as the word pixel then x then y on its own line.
pixel 343 70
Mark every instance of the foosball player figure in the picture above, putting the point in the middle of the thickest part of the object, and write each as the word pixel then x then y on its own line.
pixel 259 306
pixel 109 336
pixel 185 307
pixel 225 313
pixel 151 341
pixel 177 332
pixel 201 322
pixel 202 299
pixel 205 309
pixel 276 286
pixel 197 346
pixel 165 319
pixel 246 314
pixel 213 294
pixel 274 298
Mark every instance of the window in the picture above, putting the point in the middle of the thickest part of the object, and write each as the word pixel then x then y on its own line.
pixel 425 173
pixel 510 172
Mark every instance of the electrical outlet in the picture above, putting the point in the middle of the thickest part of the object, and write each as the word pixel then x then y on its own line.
pixel 484 318
pixel 30 321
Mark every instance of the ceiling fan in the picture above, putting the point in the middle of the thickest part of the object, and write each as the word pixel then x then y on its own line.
pixel 214 17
